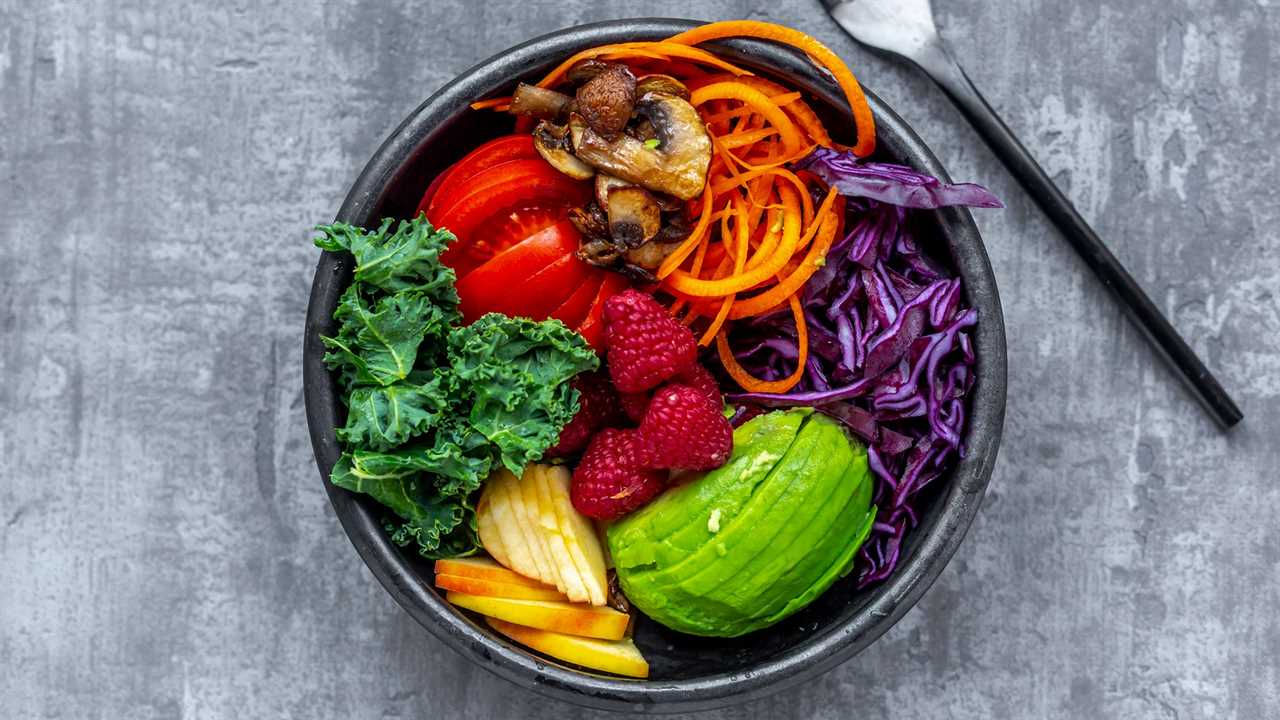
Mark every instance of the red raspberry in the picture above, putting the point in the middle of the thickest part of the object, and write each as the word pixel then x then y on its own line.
pixel 696 376
pixel 635 404
pixel 685 429
pixel 611 480
pixel 646 346
pixel 700 378
pixel 597 407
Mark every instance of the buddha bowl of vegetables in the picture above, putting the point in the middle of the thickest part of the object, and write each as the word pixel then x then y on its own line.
pixel 859 489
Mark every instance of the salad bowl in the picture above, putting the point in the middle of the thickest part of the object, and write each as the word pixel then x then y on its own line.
pixel 688 673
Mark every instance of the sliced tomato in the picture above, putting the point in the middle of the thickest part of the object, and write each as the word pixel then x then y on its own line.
pixel 500 233
pixel 574 310
pixel 539 296
pixel 592 328
pixel 493 153
pixel 512 184
pixel 432 189
pixel 492 285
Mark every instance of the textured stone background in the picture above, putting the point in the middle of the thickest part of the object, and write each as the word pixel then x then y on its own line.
pixel 166 548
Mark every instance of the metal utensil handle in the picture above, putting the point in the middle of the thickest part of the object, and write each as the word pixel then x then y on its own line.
pixel 942 67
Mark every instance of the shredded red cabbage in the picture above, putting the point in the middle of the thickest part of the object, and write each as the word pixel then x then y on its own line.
pixel 890 344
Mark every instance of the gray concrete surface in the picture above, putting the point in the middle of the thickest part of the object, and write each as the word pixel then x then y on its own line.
pixel 166 549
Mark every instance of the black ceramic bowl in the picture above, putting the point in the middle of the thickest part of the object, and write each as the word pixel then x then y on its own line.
pixel 688 673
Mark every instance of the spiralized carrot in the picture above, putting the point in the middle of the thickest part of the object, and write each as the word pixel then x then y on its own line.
pixel 757 101
pixel 774 296
pixel 686 284
pixel 863 120
pixel 699 233
pixel 739 262
pixel 753 384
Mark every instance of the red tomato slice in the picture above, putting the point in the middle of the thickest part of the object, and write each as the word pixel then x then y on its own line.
pixel 574 310
pixel 512 184
pixel 539 296
pixel 432 189
pixel 493 153
pixel 488 287
pixel 500 233
pixel 592 328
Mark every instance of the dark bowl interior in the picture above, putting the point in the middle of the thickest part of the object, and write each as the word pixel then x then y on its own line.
pixel 687 672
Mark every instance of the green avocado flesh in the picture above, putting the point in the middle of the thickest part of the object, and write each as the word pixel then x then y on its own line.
pixel 753 541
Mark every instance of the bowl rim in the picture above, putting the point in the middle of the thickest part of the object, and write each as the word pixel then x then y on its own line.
pixel 826 649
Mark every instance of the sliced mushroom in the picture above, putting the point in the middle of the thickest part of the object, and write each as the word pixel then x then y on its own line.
pixel 590 221
pixel 677 166
pixel 606 101
pixel 600 252
pixel 651 254
pixel 668 203
pixel 634 216
pixel 539 102
pixel 642 130
pixel 676 228
pixel 661 83
pixel 606 182
pixel 552 143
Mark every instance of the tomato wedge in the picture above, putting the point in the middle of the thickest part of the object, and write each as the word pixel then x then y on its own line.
pixel 592 328
pixel 539 296
pixel 574 310
pixel 493 153
pixel 500 233
pixel 493 284
pixel 432 189
pixel 515 183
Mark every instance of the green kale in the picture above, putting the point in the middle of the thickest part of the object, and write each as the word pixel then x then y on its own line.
pixel 517 372
pixel 384 417
pixel 432 408
pixel 426 516
pixel 407 259
pixel 378 342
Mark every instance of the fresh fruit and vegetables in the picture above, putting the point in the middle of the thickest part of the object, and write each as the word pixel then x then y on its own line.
pixel 538 382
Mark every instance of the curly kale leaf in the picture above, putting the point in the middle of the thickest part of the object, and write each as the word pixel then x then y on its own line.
pixel 407 259
pixel 377 343
pixel 381 418
pixel 440 523
pixel 517 372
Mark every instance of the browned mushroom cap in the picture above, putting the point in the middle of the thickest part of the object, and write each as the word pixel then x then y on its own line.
pixel 661 83
pixel 584 70
pixel 677 166
pixel 606 182
pixel 552 143
pixel 634 216
pixel 539 102
pixel 606 100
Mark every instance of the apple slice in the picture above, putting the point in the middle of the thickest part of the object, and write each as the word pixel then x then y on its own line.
pixel 493 588
pixel 538 494
pixel 569 618
pixel 620 657
pixel 484 569
pixel 580 536
pixel 528 496
pixel 504 520
pixel 490 536
pixel 532 538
